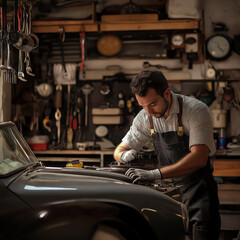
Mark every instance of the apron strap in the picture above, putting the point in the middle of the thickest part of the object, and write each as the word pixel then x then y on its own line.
pixel 180 125
pixel 151 126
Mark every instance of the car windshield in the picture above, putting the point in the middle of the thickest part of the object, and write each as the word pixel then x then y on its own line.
pixel 14 151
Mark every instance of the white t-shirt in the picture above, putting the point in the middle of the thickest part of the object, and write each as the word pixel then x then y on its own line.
pixel 196 120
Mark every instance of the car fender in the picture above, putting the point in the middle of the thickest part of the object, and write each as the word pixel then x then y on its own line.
pixel 79 220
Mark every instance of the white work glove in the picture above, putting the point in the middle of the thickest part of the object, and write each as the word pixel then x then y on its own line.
pixel 143 175
pixel 128 156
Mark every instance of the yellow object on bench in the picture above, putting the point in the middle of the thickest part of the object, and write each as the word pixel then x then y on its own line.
pixel 75 163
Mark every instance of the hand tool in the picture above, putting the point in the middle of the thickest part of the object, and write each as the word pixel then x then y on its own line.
pixel 75 121
pixel 27 61
pixel 86 89
pixel 3 68
pixel 46 120
pixel 70 133
pixel 69 121
pixel 19 119
pixel 61 40
pixel 34 122
pixel 25 42
pixel 78 133
pixel 33 36
pixel 11 72
pixel 20 67
pixel 82 43
pixel 58 115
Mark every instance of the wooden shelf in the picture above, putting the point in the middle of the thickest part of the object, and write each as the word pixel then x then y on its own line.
pixel 48 26
pixel 68 26
pixel 158 25
pixel 72 152
pixel 226 167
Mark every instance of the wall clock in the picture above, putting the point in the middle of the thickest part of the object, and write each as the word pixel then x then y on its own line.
pixel 219 47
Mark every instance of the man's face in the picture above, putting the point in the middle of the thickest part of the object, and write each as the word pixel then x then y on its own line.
pixel 154 104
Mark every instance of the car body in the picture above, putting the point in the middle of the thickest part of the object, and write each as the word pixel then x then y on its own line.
pixel 39 202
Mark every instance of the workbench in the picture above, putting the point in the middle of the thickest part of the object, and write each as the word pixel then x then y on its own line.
pixel 227 167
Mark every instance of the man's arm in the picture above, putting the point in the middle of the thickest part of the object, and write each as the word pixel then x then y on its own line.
pixel 120 149
pixel 193 161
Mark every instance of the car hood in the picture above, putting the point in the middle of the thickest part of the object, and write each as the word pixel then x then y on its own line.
pixel 47 185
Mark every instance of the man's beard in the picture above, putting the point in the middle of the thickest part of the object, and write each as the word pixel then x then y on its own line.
pixel 162 113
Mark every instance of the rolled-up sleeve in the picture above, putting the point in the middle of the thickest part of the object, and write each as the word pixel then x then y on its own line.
pixel 139 133
pixel 201 129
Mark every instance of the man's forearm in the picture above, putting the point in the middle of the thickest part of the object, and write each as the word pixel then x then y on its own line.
pixel 117 154
pixel 119 151
pixel 193 161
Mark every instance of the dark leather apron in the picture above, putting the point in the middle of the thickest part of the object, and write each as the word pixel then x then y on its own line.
pixel 198 190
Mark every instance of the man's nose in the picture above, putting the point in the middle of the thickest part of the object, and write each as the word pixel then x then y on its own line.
pixel 149 110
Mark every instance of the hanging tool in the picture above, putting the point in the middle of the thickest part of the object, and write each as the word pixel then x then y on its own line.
pixel 61 41
pixel 78 133
pixel 32 35
pixel 58 115
pixel 35 39
pixel 70 132
pixel 34 122
pixel 20 59
pixel 25 42
pixel 46 120
pixel 82 43
pixel 19 119
pixel 69 120
pixel 86 89
pixel 11 72
pixel 20 67
pixel 3 68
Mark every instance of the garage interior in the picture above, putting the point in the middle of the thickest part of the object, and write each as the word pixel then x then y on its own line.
pixel 69 95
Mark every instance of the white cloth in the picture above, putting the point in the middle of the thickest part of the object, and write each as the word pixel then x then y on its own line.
pixel 196 119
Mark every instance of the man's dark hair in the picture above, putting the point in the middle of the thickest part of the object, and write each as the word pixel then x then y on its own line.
pixel 149 79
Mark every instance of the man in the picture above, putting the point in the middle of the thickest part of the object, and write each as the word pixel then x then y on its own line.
pixel 182 133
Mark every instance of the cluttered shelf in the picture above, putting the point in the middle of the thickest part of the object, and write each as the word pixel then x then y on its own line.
pixel 63 156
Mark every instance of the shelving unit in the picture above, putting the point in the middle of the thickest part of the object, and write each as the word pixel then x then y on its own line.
pixel 63 156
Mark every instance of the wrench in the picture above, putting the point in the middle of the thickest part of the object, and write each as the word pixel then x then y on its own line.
pixel 58 116
pixel 20 68
pixel 28 65
pixel 11 72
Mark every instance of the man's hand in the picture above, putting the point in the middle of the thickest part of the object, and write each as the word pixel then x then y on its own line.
pixel 128 156
pixel 143 175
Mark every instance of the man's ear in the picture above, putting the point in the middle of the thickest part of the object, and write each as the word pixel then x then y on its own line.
pixel 167 93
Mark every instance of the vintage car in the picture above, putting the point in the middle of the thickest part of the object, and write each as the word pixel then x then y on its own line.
pixel 39 202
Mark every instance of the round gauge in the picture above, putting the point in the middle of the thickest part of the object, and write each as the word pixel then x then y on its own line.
pixel 44 89
pixel 219 47
pixel 177 40
pixel 101 131
pixel 210 73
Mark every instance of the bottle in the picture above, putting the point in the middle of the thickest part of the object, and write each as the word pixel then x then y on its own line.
pixel 222 140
